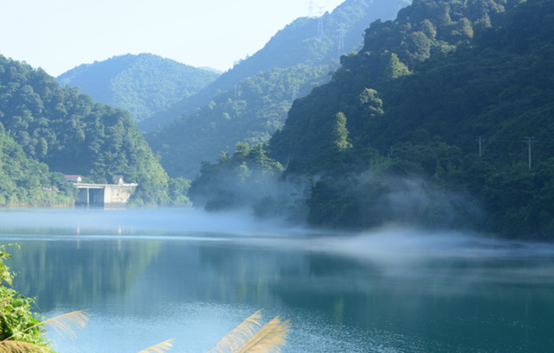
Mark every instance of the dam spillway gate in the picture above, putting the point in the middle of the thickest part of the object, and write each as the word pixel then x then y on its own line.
pixel 104 194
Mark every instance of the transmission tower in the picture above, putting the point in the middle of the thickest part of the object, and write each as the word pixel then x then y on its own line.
pixel 340 48
pixel 320 29
pixel 311 8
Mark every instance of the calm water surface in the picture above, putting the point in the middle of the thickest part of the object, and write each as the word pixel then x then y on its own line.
pixel 149 275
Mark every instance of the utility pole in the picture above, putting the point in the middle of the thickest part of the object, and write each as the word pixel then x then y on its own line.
pixel 529 141
pixel 480 140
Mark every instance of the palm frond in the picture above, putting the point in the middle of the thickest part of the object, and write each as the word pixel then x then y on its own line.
pixel 269 338
pixel 61 323
pixel 240 334
pixel 65 323
pixel 21 347
pixel 160 347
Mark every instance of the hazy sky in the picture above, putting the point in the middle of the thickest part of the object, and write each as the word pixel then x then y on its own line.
pixel 58 35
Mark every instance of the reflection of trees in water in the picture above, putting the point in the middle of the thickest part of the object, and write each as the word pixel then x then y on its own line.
pixel 221 272
pixel 434 303
pixel 79 272
pixel 438 303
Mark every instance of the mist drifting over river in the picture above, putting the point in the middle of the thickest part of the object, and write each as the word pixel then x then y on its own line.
pixel 195 275
pixel 389 243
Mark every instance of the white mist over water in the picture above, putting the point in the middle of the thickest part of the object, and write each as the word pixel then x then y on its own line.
pixel 392 289
pixel 385 244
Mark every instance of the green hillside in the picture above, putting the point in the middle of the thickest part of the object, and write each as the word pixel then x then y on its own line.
pixel 141 84
pixel 72 134
pixel 391 50
pixel 25 182
pixel 250 114
pixel 299 43
pixel 393 137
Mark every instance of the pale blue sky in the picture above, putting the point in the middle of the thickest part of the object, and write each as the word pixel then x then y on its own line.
pixel 58 35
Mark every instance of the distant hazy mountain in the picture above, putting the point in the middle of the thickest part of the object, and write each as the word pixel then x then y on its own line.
pixel 299 43
pixel 211 70
pixel 142 84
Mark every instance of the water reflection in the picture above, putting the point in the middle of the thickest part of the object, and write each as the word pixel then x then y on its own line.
pixel 344 294
pixel 78 273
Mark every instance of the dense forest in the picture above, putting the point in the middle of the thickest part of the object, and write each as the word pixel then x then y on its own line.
pixel 72 134
pixel 141 84
pixel 432 122
pixel 27 182
pixel 299 43
pixel 251 113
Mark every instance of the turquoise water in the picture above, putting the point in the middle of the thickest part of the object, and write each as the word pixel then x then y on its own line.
pixel 146 276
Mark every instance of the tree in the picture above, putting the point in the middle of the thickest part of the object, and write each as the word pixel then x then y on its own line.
pixel 17 321
pixel 339 134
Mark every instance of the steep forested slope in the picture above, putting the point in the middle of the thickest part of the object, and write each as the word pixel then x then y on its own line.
pixel 250 114
pixel 141 84
pixel 297 43
pixel 72 134
pixel 394 137
pixel 25 182
pixel 391 50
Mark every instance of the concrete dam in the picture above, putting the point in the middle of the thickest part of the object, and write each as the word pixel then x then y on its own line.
pixel 104 194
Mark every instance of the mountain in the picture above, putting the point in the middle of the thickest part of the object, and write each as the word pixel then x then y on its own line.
pixel 262 89
pixel 391 51
pixel 250 114
pixel 211 70
pixel 72 134
pixel 141 84
pixel 299 43
pixel 442 120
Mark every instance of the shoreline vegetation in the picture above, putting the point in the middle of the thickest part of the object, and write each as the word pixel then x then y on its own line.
pixel 22 331
pixel 441 119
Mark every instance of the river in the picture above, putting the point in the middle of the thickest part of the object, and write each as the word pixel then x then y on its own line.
pixel 148 275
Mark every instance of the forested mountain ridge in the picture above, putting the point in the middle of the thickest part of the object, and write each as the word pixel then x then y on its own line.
pixel 299 43
pixel 391 50
pixel 141 84
pixel 251 113
pixel 395 136
pixel 73 135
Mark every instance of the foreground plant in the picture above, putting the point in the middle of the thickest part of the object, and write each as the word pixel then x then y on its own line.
pixel 63 324
pixel 22 332
pixel 251 337
pixel 20 329
pixel 248 337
